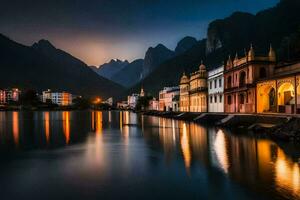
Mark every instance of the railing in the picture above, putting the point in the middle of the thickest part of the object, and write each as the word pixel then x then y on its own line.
pixel 199 89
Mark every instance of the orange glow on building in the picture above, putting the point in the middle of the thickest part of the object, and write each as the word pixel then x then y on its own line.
pixel 66 126
pixel 15 127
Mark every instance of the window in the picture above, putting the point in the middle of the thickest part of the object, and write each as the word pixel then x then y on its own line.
pixel 211 99
pixel 221 98
pixel 242 79
pixel 229 82
pixel 215 98
pixel 220 82
pixel 215 83
pixel 229 100
pixel 210 84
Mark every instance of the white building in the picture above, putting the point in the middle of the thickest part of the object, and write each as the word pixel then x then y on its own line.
pixel 132 100
pixel 215 90
pixel 166 98
pixel 59 98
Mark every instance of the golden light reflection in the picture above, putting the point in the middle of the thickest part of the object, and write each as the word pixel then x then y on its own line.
pixel 98 122
pixel 121 121
pixel 287 174
pixel 15 127
pixel 66 125
pixel 221 150
pixel 93 121
pixel 185 146
pixel 47 126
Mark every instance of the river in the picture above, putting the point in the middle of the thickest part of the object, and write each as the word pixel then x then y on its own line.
pixel 114 155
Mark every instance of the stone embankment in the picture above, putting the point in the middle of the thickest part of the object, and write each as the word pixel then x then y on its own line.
pixel 278 127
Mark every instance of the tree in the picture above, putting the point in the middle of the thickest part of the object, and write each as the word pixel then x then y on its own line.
pixel 143 103
pixel 29 97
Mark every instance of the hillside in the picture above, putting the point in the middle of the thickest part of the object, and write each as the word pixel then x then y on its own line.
pixel 43 66
pixel 279 25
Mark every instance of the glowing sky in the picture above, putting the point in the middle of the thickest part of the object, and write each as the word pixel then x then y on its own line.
pixel 99 30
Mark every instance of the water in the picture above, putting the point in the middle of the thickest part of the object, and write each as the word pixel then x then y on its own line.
pixel 114 155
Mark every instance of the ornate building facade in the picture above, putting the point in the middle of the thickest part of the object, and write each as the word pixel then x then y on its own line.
pixel 193 91
pixel 280 93
pixel 241 76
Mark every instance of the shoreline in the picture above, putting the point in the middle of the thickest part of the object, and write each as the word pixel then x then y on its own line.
pixel 276 127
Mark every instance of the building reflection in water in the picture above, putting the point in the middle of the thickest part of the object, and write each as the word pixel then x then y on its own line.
pixel 221 150
pixel 252 161
pixel 66 125
pixel 47 126
pixel 15 127
pixel 185 145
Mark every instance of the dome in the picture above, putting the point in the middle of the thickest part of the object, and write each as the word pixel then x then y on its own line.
pixel 202 66
pixel 184 79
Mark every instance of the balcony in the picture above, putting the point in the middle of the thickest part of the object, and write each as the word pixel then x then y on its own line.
pixel 199 89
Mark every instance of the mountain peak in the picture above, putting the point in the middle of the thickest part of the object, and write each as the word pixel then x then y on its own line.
pixel 184 44
pixel 43 44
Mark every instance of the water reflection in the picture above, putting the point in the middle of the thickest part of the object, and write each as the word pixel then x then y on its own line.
pixel 221 150
pixel 15 127
pixel 66 125
pixel 47 126
pixel 130 144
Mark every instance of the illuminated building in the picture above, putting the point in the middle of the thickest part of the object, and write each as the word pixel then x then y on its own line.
pixel 281 92
pixel 12 95
pixel 193 91
pixel 241 76
pixel 2 97
pixel 132 100
pixel 59 98
pixel 215 90
pixel 166 98
pixel 153 104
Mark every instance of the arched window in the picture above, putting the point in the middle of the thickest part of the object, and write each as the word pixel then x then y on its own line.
pixel 242 78
pixel 229 82
pixel 262 72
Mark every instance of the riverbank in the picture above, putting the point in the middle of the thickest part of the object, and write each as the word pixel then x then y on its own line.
pixel 277 127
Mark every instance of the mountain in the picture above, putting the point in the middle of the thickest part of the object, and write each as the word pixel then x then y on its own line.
pixel 43 66
pixel 279 25
pixel 130 74
pixel 154 57
pixel 185 44
pixel 109 69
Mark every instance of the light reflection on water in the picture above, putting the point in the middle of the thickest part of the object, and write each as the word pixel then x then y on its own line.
pixel 125 150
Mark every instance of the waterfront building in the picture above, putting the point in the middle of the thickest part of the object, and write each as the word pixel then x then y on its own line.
pixel 132 100
pixel 175 103
pixel 281 92
pixel 184 99
pixel 59 98
pixel 166 98
pixel 46 96
pixel 193 91
pixel 153 104
pixel 240 78
pixel 12 95
pixel 215 90
pixel 2 97
pixel 109 101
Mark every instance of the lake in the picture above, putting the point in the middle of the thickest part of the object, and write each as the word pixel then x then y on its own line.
pixel 114 155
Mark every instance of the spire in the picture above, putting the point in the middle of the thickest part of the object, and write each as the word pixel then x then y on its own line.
pixel 272 54
pixel 251 53
pixel 202 66
pixel 142 93
pixel 229 62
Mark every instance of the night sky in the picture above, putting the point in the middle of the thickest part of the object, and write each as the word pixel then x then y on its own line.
pixel 97 31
